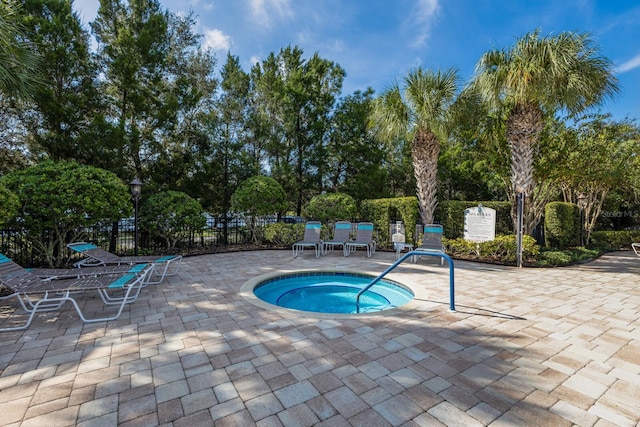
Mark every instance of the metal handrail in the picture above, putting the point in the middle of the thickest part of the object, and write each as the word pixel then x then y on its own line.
pixel 452 305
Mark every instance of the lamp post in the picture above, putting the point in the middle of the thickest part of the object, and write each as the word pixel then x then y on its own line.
pixel 136 194
pixel 582 204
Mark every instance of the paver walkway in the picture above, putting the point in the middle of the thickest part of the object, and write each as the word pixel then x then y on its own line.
pixel 553 347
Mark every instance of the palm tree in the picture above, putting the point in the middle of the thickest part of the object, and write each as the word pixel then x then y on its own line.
pixel 18 61
pixel 534 78
pixel 421 112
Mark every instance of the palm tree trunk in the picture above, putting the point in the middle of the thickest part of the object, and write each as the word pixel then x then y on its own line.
pixel 524 125
pixel 425 150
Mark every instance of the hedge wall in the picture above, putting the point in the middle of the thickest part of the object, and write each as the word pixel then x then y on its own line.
pixel 378 211
pixel 561 225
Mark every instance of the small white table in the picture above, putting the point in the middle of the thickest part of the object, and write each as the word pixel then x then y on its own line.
pixel 400 246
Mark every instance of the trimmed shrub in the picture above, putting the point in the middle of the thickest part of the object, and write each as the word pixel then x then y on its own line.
pixel 330 207
pixel 561 225
pixel 502 249
pixel 58 200
pixel 171 216
pixel 378 212
pixel 282 234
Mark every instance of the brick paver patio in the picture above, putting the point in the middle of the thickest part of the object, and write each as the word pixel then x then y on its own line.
pixel 553 347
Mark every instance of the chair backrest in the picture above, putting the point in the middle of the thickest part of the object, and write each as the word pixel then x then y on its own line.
pixel 364 232
pixel 432 236
pixel 12 274
pixel 342 231
pixel 312 231
pixel 91 250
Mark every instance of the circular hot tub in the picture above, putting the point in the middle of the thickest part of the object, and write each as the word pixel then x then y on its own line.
pixel 330 292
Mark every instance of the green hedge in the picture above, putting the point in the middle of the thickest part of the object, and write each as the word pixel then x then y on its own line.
pixel 330 207
pixel 378 211
pixel 561 225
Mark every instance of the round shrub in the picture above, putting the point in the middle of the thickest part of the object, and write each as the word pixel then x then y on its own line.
pixel 171 216
pixel 330 207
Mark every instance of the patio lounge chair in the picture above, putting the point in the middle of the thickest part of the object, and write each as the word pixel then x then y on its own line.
pixel 431 240
pixel 311 238
pixel 165 266
pixel 9 268
pixel 341 235
pixel 51 294
pixel 363 239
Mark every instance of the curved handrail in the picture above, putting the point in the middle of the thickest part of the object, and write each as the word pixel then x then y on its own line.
pixel 452 305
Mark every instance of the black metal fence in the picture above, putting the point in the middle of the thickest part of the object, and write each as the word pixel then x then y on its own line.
pixel 119 238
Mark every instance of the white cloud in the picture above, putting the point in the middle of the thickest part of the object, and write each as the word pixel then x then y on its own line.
pixel 217 40
pixel 629 65
pixel 425 12
pixel 254 60
pixel 263 10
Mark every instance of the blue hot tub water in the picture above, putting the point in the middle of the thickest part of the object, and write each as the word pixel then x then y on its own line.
pixel 331 293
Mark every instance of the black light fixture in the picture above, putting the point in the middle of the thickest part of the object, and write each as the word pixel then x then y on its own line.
pixel 135 187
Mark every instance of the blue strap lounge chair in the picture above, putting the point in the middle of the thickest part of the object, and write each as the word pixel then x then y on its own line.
pixel 311 239
pixel 165 266
pixel 36 295
pixel 364 239
pixel 341 235
pixel 431 240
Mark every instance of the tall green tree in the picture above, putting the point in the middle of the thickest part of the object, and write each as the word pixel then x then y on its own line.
pixel 19 62
pixel 356 161
pixel 297 96
pixel 66 109
pixel 229 163
pixel 421 112
pixel 592 159
pixel 133 42
pixel 159 84
pixel 534 78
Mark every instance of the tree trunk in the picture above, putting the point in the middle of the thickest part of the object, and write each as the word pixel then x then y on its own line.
pixel 524 125
pixel 425 150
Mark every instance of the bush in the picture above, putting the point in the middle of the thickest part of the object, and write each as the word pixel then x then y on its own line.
pixel 59 200
pixel 171 216
pixel 282 234
pixel 614 240
pixel 502 249
pixel 378 211
pixel 561 225
pixel 330 207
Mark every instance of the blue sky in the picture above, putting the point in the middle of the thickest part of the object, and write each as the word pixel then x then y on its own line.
pixel 378 41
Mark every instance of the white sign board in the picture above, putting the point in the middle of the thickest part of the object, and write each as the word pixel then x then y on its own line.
pixel 479 224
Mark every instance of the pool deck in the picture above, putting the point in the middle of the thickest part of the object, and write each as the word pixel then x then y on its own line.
pixel 526 347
